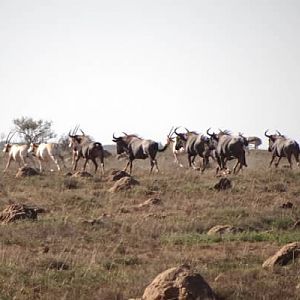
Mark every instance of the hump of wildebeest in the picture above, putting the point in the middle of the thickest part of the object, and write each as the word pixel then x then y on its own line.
pixel 196 144
pixel 229 145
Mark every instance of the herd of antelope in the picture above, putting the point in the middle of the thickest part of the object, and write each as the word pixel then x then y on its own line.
pixel 220 147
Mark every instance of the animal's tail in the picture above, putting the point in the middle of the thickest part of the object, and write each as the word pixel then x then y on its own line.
pixel 161 147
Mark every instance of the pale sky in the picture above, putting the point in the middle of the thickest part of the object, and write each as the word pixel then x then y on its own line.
pixel 143 66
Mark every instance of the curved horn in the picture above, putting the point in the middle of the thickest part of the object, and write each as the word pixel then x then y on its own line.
pixel 114 137
pixel 268 136
pixel 125 133
pixel 82 131
pixel 207 131
pixel 186 130
pixel 175 131
pixel 278 132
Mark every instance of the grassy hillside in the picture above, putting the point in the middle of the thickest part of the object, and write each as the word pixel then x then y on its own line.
pixel 60 256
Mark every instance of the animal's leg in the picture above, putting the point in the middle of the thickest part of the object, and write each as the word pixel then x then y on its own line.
pixel 127 165
pixel 56 162
pixel 130 167
pixel 193 162
pixel 155 163
pixel 270 164
pixel 237 165
pixel 205 163
pixel 152 165
pixel 296 155
pixel 95 164
pixel 85 163
pixel 76 162
pixel 277 163
pixel 41 168
pixel 289 158
pixel 8 164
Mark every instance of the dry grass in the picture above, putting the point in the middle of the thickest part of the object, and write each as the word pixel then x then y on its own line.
pixel 60 256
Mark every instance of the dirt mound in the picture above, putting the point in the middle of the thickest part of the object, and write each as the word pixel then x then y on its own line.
pixel 82 174
pixel 26 171
pixel 117 174
pixel 285 255
pixel 178 283
pixel 222 229
pixel 19 211
pixel 223 184
pixel 123 184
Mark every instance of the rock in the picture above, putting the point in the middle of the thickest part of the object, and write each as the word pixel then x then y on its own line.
pixel 222 229
pixel 82 174
pixel 178 283
pixel 26 171
pixel 286 254
pixel 117 174
pixel 123 184
pixel 223 184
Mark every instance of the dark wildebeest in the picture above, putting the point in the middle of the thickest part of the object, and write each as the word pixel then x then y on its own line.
pixel 194 144
pixel 138 148
pixel 83 147
pixel 228 147
pixel 280 146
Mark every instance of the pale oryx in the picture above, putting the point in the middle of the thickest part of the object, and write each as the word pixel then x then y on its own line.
pixel 254 141
pixel 16 152
pixel 46 152
pixel 83 147
pixel 280 146
pixel 178 150
pixel 138 148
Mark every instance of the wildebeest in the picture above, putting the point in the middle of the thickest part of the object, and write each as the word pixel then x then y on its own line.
pixel 138 148
pixel 84 147
pixel 45 152
pixel 280 146
pixel 228 147
pixel 16 152
pixel 194 144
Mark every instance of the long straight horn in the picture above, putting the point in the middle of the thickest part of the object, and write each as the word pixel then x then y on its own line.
pixel 10 136
pixel 75 129
pixel 171 132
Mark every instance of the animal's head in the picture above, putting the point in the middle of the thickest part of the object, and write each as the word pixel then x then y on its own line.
pixel 76 139
pixel 213 139
pixel 273 138
pixel 180 139
pixel 8 145
pixel 121 143
pixel 243 139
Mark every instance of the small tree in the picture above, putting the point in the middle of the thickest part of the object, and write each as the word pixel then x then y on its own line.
pixel 33 130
